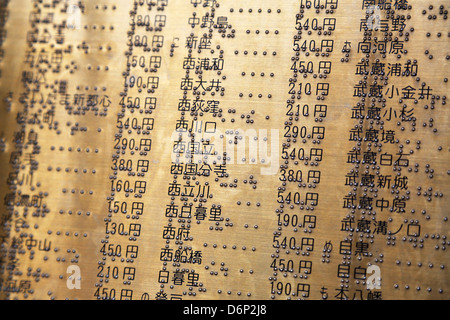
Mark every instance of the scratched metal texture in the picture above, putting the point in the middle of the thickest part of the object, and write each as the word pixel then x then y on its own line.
pixel 66 158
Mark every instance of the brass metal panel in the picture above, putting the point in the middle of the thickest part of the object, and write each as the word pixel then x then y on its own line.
pixel 209 149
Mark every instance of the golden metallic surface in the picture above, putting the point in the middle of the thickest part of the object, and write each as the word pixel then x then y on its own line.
pixel 85 86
